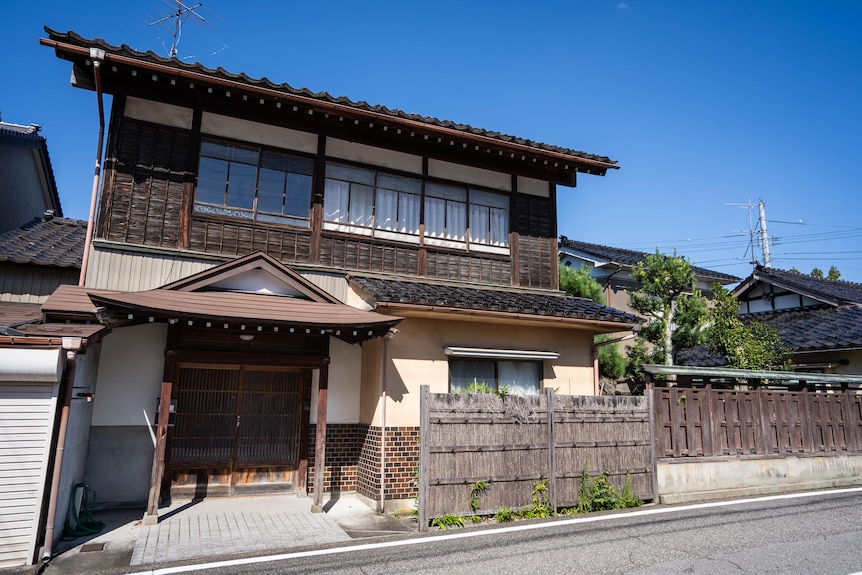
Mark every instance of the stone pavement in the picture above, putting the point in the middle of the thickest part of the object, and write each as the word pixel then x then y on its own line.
pixel 216 528
pixel 228 526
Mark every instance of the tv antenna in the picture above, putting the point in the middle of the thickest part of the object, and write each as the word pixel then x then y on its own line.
pixel 764 236
pixel 179 17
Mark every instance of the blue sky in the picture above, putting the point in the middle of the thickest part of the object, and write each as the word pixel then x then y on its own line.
pixel 703 104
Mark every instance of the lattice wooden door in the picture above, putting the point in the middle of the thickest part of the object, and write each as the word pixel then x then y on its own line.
pixel 237 429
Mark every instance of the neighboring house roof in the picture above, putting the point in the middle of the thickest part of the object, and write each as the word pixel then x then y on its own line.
pixel 591 161
pixel 832 292
pixel 441 297
pixel 824 328
pixel 13 314
pixel 603 255
pixel 835 324
pixel 16 134
pixel 46 241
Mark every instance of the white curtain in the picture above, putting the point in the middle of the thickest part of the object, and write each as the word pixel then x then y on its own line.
pixel 520 377
pixel 386 216
pixel 335 198
pixel 361 205
pixel 408 213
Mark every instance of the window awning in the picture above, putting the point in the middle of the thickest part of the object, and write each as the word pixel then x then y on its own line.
pixel 481 352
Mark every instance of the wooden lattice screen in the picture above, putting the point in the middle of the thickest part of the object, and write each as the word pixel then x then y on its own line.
pixel 714 423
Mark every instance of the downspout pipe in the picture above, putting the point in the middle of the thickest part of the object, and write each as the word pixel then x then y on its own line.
pixel 72 345
pixel 383 397
pixel 97 55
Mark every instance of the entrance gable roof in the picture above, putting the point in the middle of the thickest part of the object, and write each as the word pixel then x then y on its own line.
pixel 256 273
pixel 828 291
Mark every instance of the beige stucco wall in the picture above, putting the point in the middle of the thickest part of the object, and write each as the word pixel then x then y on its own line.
pixel 416 358
pixel 343 398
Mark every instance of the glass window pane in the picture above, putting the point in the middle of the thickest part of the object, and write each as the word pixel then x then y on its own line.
pixel 456 221
pixel 489 199
pixel 465 372
pixel 349 174
pixel 302 166
pixel 297 201
pixel 445 192
pixel 386 210
pixel 274 161
pixel 399 184
pixel 499 227
pixel 520 377
pixel 408 213
pixel 361 205
pixel 212 181
pixel 270 191
pixel 241 183
pixel 215 150
pixel 244 155
pixel 435 217
pixel 335 198
pixel 479 222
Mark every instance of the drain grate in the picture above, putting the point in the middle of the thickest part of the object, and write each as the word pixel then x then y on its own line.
pixel 88 547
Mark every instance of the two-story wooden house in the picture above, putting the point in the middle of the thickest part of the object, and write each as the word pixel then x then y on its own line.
pixel 281 271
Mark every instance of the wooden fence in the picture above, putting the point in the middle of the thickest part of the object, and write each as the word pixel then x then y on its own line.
pixel 513 444
pixel 704 422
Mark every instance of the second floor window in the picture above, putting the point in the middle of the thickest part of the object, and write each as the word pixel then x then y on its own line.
pixel 249 182
pixel 369 199
pixel 365 201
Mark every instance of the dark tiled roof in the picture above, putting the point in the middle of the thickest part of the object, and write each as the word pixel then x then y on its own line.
pixel 822 328
pixel 471 298
pixel 834 291
pixel 150 56
pixel 55 242
pixel 631 258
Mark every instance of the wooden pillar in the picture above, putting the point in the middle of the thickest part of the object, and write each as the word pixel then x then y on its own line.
pixel 151 516
pixel 320 438
pixel 424 455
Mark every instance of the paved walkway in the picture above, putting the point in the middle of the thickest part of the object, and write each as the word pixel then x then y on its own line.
pixel 224 526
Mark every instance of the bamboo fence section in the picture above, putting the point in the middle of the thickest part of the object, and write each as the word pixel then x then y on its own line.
pixel 515 442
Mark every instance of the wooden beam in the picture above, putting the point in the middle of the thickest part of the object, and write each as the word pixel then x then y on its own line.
pixel 152 515
pixel 320 438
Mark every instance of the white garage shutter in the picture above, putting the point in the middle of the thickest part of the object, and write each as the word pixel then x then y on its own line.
pixel 28 402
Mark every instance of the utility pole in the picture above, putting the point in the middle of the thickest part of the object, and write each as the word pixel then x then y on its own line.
pixel 764 236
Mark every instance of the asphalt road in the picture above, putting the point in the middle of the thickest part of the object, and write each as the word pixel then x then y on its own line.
pixel 810 535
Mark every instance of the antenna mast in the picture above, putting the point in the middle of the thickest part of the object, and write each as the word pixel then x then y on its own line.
pixel 764 236
pixel 182 10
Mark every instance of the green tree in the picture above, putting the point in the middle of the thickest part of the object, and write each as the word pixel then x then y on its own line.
pixel 579 283
pixel 670 300
pixel 756 346
pixel 817 272
pixel 834 274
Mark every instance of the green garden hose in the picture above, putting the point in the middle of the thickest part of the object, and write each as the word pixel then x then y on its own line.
pixel 79 520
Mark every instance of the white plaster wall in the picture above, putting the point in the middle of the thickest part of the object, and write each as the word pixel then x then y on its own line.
pixel 469 175
pixel 130 376
pixel 77 432
pixel 533 187
pixel 158 113
pixel 345 370
pixel 257 133
pixel 345 150
pixel 416 358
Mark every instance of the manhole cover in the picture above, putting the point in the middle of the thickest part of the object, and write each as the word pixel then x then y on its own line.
pixel 92 547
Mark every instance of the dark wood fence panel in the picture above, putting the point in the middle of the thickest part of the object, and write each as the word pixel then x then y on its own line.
pixel 715 423
pixel 513 444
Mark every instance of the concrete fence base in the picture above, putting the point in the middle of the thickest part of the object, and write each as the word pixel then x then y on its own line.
pixel 704 480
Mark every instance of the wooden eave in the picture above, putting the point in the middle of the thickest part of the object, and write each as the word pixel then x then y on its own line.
pixel 123 74
pixel 424 310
